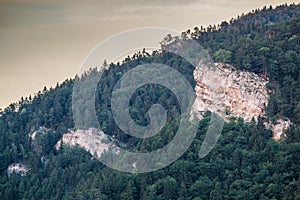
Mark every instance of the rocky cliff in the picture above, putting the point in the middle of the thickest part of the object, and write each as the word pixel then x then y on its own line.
pixel 92 140
pixel 232 93
pixel 229 92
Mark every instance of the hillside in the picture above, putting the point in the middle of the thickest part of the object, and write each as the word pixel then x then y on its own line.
pixel 246 163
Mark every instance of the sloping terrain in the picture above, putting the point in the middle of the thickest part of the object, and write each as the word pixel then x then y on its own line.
pixel 246 163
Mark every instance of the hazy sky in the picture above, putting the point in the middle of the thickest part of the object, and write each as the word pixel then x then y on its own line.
pixel 45 42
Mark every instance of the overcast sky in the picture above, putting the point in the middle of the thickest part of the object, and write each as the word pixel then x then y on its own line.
pixel 45 42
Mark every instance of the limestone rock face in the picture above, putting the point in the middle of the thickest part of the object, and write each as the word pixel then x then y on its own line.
pixel 92 140
pixel 17 168
pixel 278 128
pixel 229 93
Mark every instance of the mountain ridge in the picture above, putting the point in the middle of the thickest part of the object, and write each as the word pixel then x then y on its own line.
pixel 246 163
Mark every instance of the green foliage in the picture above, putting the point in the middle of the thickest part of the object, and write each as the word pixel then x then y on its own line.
pixel 246 163
pixel 222 56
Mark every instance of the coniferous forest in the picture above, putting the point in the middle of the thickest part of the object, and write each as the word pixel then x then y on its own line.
pixel 246 163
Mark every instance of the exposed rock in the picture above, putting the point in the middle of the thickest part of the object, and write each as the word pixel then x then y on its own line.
pixel 92 140
pixel 278 128
pixel 230 93
pixel 17 168
pixel 42 130
pixel 34 135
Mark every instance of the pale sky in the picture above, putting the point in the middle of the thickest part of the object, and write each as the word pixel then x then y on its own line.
pixel 45 42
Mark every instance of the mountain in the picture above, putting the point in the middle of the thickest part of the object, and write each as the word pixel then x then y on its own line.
pixel 246 163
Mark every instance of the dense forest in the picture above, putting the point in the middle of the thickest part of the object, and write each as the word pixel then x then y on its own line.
pixel 246 163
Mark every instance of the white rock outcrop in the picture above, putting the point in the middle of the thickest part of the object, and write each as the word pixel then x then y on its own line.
pixel 17 168
pixel 229 93
pixel 92 140
pixel 232 93
pixel 41 130
pixel 278 128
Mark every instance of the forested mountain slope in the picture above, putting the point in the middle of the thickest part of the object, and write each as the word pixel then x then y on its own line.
pixel 246 163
